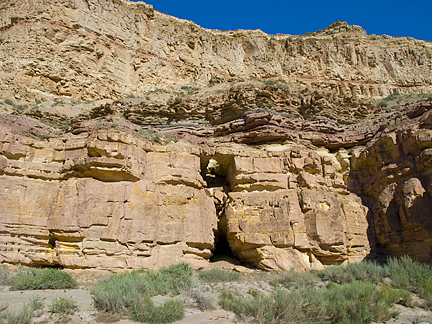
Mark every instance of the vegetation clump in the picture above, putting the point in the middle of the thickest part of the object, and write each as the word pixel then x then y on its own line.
pixel 214 275
pixel 23 315
pixel 131 292
pixel 38 279
pixel 356 293
pixel 189 88
pixel 63 306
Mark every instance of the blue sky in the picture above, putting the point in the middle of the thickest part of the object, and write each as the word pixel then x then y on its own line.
pixel 395 18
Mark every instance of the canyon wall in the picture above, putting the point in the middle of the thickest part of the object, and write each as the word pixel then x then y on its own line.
pixel 282 146
pixel 94 49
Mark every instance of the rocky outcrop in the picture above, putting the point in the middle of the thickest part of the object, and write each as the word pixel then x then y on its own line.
pixel 93 49
pixel 102 201
pixel 393 173
pixel 290 160
pixel 112 200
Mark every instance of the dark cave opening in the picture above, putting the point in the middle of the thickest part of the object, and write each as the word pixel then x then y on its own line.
pixel 223 251
pixel 52 241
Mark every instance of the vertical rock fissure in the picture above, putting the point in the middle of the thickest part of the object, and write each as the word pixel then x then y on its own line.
pixel 215 175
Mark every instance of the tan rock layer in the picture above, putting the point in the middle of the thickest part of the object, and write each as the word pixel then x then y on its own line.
pixel 111 200
pixel 108 49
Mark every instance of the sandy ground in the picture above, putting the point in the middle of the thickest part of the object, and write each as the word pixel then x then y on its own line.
pixel 87 313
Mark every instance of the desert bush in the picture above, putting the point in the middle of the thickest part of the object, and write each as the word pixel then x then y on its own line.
pixel 63 306
pixel 151 134
pixel 369 271
pixel 382 104
pixel 23 315
pixel 360 302
pixel 298 306
pixel 131 96
pixel 283 86
pixel 296 279
pixel 36 304
pixel 409 274
pixel 392 96
pixel 413 276
pixel 189 88
pixel 218 275
pixel 34 279
pixel 203 300
pixel 8 102
pixel 269 82
pixel 119 292
pixel 5 275
pixel 259 306
pixel 97 126
pixel 393 125
pixel 144 311
pixel 56 103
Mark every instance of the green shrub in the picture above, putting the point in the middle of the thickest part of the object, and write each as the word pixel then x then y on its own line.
pixel 219 275
pixel 412 275
pixel 63 306
pixel 113 125
pixel 360 302
pixel 131 96
pixel 8 102
pixel 34 279
pixel 150 134
pixel 283 306
pixel 393 125
pixel 296 279
pixel 144 311
pixel 409 274
pixel 366 271
pixel 269 82
pixel 97 126
pixel 382 104
pixel 283 86
pixel 24 315
pixel 5 275
pixel 189 88
pixel 392 96
pixel 119 292
pixel 56 103
pixel 259 306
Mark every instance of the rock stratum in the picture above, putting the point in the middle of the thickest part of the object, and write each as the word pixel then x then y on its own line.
pixel 284 151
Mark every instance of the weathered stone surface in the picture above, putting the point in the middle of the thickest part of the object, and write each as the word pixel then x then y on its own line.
pixel 103 204
pixel 293 164
pixel 108 49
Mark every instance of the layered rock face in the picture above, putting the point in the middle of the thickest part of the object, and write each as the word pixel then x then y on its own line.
pixel 93 49
pixel 111 200
pixel 290 159
pixel 393 173
pixel 102 201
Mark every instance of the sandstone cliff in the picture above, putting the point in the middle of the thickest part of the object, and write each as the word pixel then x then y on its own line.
pixel 277 145
pixel 93 49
